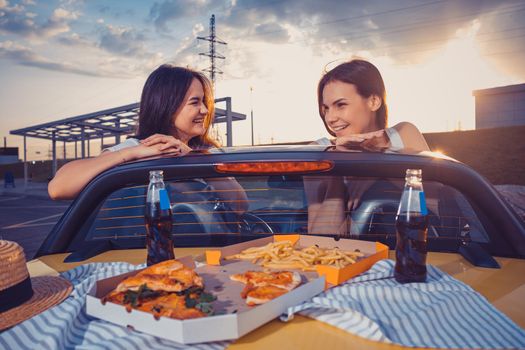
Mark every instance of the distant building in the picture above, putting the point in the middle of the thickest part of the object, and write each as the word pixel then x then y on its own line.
pixel 500 106
pixel 8 155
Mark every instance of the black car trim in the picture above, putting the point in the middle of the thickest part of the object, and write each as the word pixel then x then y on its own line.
pixel 448 172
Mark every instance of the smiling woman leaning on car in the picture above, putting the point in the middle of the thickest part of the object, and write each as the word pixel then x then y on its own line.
pixel 176 110
pixel 352 105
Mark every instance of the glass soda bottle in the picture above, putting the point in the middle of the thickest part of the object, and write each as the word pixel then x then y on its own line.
pixel 158 217
pixel 411 227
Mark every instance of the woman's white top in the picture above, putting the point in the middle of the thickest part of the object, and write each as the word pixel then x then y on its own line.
pixel 324 142
pixel 131 142
pixel 396 142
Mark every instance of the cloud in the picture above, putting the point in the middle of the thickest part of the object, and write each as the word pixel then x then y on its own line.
pixel 173 10
pixel 122 41
pixel 116 11
pixel 12 20
pixel 405 32
pixel 118 50
pixel 58 23
pixel 16 20
pixel 282 35
pixel 271 21
pixel 187 52
pixel 68 3
pixel 198 29
pixel 130 68
pixel 104 9
pixel 333 20
pixel 75 39
pixel 26 57
pixel 252 28
pixel 371 24
pixel 60 14
pixel 119 40
pixel 17 8
pixel 331 27
pixel 106 66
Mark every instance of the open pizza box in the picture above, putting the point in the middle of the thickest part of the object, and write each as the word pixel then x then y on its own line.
pixel 233 317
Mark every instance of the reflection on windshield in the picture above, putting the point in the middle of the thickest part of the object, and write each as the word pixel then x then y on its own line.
pixel 357 208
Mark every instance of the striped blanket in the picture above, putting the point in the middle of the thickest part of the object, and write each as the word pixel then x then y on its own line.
pixel 443 312
pixel 67 326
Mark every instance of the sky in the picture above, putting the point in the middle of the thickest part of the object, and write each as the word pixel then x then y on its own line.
pixel 64 58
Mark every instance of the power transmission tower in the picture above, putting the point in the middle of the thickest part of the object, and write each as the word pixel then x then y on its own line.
pixel 212 53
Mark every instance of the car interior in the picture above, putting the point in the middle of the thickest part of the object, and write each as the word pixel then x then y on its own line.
pixel 278 205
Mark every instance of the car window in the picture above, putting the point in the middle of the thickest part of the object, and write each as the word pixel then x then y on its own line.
pixel 279 205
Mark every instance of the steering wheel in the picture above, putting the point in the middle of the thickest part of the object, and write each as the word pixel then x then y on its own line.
pixel 252 224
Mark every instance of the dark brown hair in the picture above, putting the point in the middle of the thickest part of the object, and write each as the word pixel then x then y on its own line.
pixel 163 95
pixel 367 80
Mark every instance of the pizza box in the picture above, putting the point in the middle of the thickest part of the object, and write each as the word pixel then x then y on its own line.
pixel 373 251
pixel 233 319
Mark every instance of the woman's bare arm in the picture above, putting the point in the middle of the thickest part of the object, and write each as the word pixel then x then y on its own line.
pixel 378 140
pixel 412 137
pixel 71 178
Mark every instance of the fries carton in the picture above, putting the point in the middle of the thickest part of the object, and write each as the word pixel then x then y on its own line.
pixel 233 317
pixel 373 252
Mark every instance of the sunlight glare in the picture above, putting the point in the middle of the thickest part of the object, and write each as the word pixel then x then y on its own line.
pixel 437 95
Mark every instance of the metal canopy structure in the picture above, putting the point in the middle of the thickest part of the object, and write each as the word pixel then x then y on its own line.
pixel 110 122
pixel 113 122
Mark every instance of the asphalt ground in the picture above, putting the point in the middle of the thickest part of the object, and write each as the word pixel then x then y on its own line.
pixel 28 220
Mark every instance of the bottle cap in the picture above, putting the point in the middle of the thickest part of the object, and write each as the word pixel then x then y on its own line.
pixel 156 174
pixel 414 172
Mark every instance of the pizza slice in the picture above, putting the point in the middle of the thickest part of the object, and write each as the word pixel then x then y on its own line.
pixel 263 294
pixel 287 280
pixel 167 289
pixel 176 278
pixel 262 287
pixel 171 305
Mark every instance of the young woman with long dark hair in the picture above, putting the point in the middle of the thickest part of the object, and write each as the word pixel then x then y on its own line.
pixel 352 105
pixel 176 111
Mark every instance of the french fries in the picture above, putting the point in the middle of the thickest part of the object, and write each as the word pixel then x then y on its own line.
pixel 283 255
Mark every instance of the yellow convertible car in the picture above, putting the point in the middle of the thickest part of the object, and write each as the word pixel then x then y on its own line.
pixel 474 236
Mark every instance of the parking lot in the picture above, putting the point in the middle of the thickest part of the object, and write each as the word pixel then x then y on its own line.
pixel 27 220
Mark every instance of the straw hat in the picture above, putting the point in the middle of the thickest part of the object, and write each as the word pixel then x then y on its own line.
pixel 23 297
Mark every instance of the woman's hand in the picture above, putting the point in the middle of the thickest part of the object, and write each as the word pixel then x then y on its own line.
pixel 373 141
pixel 166 144
pixel 141 151
pixel 155 145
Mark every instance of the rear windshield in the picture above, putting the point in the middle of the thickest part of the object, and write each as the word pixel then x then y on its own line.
pixel 226 210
